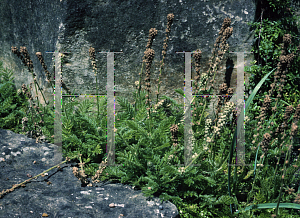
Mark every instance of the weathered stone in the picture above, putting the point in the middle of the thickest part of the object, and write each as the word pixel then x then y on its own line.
pixel 117 26
pixel 75 26
pixel 58 193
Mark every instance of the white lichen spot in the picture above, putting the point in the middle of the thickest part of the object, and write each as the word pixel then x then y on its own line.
pixel 184 20
pixel 237 18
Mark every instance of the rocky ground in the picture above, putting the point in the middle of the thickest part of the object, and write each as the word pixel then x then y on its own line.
pixel 60 193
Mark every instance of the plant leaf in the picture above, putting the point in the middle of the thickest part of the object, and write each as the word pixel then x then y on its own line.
pixel 272 206
pixel 237 131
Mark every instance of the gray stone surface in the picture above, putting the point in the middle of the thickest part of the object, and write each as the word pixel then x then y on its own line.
pixel 60 193
pixel 117 25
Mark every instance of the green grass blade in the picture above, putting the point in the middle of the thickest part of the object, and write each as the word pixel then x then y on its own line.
pixel 237 132
pixel 272 205
pixel 249 101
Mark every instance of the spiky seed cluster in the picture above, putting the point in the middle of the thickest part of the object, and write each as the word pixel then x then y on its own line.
pixel 26 92
pixel 208 129
pixel 159 104
pixel 24 123
pixel 282 67
pixel 152 34
pixel 223 90
pixel 283 126
pixel 48 74
pixel 92 53
pixel 93 57
pixel 170 18
pixel 265 108
pixel 136 84
pixel 297 199
pixel 225 31
pixel 181 170
pixel 226 23
pixel 149 56
pixel 286 117
pixel 197 56
pixel 200 83
pixel 223 117
pixel 174 131
pixel 289 109
pixel 265 142
pixel 41 59
pixel 26 59
pixel 235 115
pixel 37 133
pixel 4 192
pixel 297 114
pixel 102 166
pixel 29 63
pixel 287 39
pixel 294 129
pixel 80 175
pixel 285 61
pixel 217 55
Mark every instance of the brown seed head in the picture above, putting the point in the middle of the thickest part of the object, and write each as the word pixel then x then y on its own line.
pixel 170 17
pixel 287 38
pixel 152 32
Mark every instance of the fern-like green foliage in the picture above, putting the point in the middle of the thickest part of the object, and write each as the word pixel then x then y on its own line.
pixel 12 103
pixel 145 148
pixel 84 133
pixel 129 109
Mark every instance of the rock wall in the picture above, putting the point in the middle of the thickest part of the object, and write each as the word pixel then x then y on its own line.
pixel 116 25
